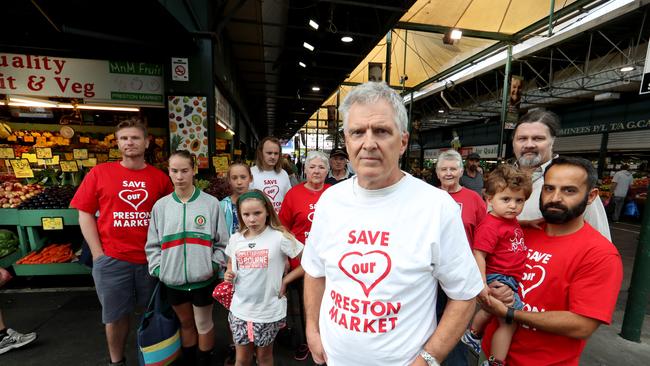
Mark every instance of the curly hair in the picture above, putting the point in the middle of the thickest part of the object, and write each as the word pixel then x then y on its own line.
pixel 506 176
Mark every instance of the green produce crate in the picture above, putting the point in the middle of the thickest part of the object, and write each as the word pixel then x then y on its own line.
pixel 51 269
pixel 9 259
pixel 33 217
pixel 8 216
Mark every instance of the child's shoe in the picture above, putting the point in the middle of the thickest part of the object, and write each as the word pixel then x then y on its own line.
pixel 472 341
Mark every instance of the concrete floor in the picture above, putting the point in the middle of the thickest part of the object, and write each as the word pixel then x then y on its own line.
pixel 65 313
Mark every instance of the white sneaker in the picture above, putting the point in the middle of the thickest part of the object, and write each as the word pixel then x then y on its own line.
pixel 15 339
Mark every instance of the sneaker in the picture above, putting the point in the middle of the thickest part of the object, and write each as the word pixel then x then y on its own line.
pixel 302 352
pixel 471 341
pixel 493 362
pixel 15 339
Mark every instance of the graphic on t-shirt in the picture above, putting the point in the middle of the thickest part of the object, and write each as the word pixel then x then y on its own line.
pixel 252 259
pixel 368 270
pixel 310 216
pixel 532 278
pixel 518 241
pixel 134 197
pixel 271 191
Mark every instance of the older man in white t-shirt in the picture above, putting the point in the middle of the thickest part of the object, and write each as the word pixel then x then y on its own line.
pixel 380 245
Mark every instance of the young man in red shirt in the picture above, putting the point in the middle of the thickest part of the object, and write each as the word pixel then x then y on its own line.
pixel 123 193
pixel 573 273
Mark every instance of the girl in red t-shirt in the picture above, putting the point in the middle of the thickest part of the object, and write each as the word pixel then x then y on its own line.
pixel 500 253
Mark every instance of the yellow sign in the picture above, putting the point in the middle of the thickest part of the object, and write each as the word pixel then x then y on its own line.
pixel 80 154
pixel 114 154
pixel 220 163
pixel 21 168
pixel 89 163
pixel 84 140
pixel 221 144
pixel 30 157
pixel 27 138
pixel 69 166
pixel 53 161
pixel 6 153
pixel 12 138
pixel 237 152
pixel 102 158
pixel 52 223
pixel 43 153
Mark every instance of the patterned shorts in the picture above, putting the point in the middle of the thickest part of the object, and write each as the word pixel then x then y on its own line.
pixel 261 334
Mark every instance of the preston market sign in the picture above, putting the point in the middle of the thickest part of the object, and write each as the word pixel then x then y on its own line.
pixel 606 127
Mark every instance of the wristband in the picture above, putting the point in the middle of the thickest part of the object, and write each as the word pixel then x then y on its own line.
pixel 430 360
pixel 510 315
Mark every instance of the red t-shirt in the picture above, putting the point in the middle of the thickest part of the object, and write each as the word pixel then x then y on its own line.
pixel 124 199
pixel 472 209
pixel 297 213
pixel 503 241
pixel 579 272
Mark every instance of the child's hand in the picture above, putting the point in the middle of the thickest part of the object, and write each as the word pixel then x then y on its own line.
pixel 283 289
pixel 229 276
pixel 484 297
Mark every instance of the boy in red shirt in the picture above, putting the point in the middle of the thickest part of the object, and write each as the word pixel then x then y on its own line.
pixel 500 253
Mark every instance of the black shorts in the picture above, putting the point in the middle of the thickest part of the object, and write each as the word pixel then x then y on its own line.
pixel 198 297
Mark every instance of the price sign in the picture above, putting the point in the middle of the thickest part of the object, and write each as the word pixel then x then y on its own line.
pixel 236 152
pixel 43 153
pixel 53 161
pixel 28 138
pixel 80 154
pixel 52 223
pixel 12 138
pixel 89 163
pixel 220 163
pixel 21 168
pixel 114 154
pixel 69 166
pixel 7 153
pixel 30 157
pixel 84 140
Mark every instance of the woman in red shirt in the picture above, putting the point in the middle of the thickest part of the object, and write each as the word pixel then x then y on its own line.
pixel 296 215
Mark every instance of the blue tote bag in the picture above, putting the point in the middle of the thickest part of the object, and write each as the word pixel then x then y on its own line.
pixel 159 340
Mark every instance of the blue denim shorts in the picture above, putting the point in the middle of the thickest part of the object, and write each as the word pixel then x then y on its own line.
pixel 511 282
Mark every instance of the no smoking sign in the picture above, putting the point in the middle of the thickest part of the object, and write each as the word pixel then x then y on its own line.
pixel 179 69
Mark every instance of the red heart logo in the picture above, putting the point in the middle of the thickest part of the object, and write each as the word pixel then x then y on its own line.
pixel 271 191
pixel 532 278
pixel 366 269
pixel 134 197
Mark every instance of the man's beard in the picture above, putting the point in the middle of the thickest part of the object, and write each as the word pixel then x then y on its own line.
pixel 530 162
pixel 567 214
pixel 472 168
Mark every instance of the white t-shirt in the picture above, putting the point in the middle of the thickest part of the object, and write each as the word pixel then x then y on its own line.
pixel 594 214
pixel 259 267
pixel 623 180
pixel 383 253
pixel 274 185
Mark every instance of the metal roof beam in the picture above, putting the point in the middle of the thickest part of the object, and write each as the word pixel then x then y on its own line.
pixel 429 28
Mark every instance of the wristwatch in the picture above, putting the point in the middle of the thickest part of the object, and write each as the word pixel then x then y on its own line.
pixel 510 315
pixel 430 360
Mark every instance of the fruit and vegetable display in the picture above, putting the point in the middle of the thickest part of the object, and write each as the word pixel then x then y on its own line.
pixel 8 242
pixel 218 187
pixel 13 194
pixel 55 197
pixel 53 253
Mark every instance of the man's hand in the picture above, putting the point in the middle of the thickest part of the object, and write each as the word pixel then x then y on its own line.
pixel 502 293
pixel 496 308
pixel 532 223
pixel 316 347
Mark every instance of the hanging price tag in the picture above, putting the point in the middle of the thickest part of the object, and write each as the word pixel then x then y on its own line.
pixel 220 163
pixel 28 138
pixel 53 161
pixel 89 163
pixel 69 166
pixel 52 223
pixel 21 168
pixel 43 153
pixel 80 154
pixel 30 157
pixel 7 153
pixel 114 154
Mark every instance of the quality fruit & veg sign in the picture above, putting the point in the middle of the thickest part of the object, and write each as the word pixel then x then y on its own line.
pixel 134 83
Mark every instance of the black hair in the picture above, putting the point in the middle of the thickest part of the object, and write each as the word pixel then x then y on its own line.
pixel 592 176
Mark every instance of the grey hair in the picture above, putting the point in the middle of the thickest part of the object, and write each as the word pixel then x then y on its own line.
pixel 371 92
pixel 314 154
pixel 451 154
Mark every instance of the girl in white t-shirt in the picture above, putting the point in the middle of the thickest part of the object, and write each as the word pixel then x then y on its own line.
pixel 258 253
